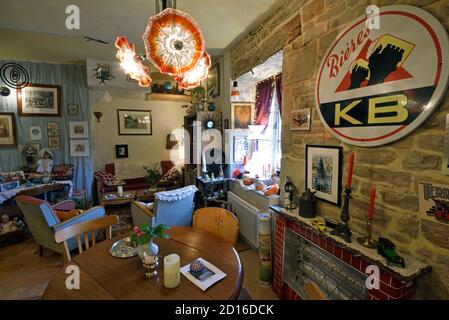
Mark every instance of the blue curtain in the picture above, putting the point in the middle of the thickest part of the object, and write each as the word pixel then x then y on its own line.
pixel 73 81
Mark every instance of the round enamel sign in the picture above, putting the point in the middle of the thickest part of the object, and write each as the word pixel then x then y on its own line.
pixel 376 85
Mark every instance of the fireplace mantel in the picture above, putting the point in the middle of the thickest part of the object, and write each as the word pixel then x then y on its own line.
pixel 398 283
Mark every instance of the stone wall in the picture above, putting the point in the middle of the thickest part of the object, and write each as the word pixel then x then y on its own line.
pixel 395 169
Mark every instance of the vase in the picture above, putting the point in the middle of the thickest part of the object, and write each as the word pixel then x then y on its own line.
pixel 147 249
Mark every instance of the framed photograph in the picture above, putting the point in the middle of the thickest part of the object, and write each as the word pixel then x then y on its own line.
pixel 134 122
pixel 300 120
pixel 8 135
pixel 39 100
pixel 35 133
pixel 240 149
pixel 121 151
pixel 53 129
pixel 79 148
pixel 79 129
pixel 73 109
pixel 54 143
pixel 213 81
pixel 28 154
pixel 171 142
pixel 323 172
pixel 242 115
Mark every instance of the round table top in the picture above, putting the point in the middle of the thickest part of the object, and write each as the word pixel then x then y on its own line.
pixel 103 276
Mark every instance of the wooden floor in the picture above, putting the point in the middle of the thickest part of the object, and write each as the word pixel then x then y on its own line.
pixel 25 275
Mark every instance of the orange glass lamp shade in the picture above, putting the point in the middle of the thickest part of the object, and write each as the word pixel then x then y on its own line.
pixel 173 42
pixel 132 65
pixel 193 78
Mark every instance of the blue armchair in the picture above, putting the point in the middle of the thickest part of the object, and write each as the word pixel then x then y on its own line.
pixel 43 221
pixel 173 208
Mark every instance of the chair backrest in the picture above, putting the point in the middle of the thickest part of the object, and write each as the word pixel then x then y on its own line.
pixel 141 214
pixel 175 207
pixel 218 221
pixel 83 229
pixel 39 217
pixel 313 292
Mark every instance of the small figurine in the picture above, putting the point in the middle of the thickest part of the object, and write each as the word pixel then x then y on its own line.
pixel 30 154
pixel 7 225
pixel 385 247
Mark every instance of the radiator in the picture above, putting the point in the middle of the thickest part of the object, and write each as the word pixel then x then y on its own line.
pixel 247 215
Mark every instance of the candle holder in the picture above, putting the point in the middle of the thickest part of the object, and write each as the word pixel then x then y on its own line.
pixel 150 264
pixel 367 240
pixel 342 230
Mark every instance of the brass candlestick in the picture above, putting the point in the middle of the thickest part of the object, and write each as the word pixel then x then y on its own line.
pixel 367 240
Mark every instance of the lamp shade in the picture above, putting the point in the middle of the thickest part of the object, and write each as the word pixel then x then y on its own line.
pixel 173 42
pixel 193 78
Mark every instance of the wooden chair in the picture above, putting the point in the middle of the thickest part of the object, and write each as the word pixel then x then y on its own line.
pixel 83 229
pixel 313 292
pixel 218 221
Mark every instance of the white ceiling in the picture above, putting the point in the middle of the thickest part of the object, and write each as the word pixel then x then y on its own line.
pixel 36 30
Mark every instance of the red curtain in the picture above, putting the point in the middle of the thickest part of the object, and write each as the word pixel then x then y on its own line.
pixel 278 81
pixel 264 97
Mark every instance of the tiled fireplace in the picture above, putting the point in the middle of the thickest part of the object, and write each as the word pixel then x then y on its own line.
pixel 303 253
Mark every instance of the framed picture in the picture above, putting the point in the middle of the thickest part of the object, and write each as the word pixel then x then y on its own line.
pixel 134 122
pixel 171 142
pixel 8 136
pixel 300 119
pixel 73 109
pixel 28 154
pixel 121 151
pixel 39 100
pixel 79 148
pixel 35 133
pixel 213 81
pixel 54 143
pixel 53 129
pixel 240 149
pixel 242 115
pixel 323 172
pixel 79 129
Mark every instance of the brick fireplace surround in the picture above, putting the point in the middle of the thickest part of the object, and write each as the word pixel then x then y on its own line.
pixel 392 285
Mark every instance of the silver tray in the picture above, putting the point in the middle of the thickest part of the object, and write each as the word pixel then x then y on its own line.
pixel 122 249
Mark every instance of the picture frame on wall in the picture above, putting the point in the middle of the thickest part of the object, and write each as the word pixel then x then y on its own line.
pixel 8 133
pixel 73 109
pixel 300 119
pixel 134 122
pixel 242 115
pixel 79 129
pixel 121 151
pixel 79 148
pixel 28 154
pixel 53 129
pixel 39 100
pixel 35 133
pixel 324 171
pixel 213 81
pixel 54 143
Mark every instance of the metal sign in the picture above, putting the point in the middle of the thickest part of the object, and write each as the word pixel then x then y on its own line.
pixel 375 86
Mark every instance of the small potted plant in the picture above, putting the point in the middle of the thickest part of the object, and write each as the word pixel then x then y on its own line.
pixel 143 237
pixel 153 176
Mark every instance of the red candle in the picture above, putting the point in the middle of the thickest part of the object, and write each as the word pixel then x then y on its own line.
pixel 371 203
pixel 350 169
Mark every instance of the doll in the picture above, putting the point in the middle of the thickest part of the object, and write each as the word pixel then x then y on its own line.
pixel 45 162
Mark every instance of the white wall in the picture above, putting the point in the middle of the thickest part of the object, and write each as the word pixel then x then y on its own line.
pixel 166 116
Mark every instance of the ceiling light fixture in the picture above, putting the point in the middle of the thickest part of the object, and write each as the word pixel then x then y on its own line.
pixel 174 44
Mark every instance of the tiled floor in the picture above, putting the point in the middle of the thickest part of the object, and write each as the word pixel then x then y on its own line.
pixel 25 275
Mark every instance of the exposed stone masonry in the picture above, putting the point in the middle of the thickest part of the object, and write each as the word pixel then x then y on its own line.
pixel 395 169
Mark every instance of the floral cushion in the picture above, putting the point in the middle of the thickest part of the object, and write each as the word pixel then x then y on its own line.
pixel 171 175
pixel 109 179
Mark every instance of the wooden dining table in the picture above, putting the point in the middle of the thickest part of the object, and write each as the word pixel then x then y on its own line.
pixel 104 277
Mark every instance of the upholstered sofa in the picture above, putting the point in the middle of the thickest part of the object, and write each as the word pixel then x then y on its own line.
pixel 133 176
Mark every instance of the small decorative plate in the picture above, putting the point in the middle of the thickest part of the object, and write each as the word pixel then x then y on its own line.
pixel 123 249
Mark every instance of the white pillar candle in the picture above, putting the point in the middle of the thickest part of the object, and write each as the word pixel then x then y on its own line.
pixel 120 190
pixel 172 275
